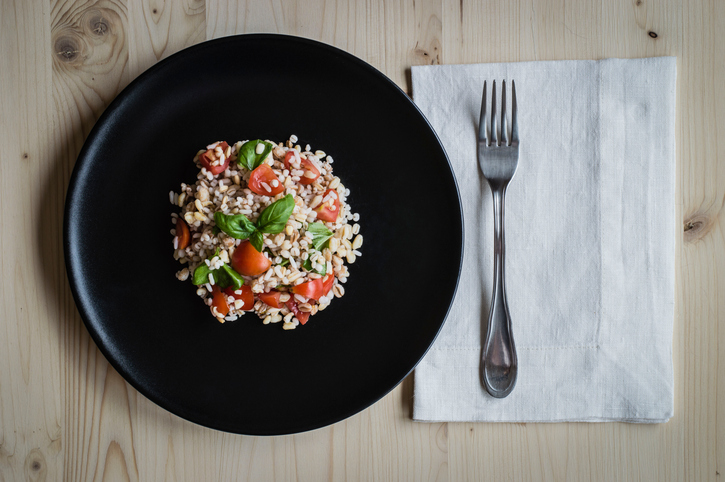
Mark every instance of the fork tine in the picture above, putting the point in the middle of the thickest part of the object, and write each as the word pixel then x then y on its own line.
pixel 494 137
pixel 482 121
pixel 514 123
pixel 504 127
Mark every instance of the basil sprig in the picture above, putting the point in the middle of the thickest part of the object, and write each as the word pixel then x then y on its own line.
pixel 271 221
pixel 257 240
pixel 274 218
pixel 320 240
pixel 224 277
pixel 248 156
pixel 238 226
pixel 307 264
pixel 320 235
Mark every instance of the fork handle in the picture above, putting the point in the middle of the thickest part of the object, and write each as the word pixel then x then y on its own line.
pixel 499 364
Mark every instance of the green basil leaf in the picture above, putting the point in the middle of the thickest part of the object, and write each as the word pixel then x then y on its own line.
pixel 257 241
pixel 215 230
pixel 238 226
pixel 201 274
pixel 320 235
pixel 285 262
pixel 223 277
pixel 307 264
pixel 226 277
pixel 248 156
pixel 275 216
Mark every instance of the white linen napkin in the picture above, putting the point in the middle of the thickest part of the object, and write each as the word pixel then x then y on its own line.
pixel 590 242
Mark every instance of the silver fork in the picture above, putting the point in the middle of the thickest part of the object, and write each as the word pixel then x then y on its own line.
pixel 498 160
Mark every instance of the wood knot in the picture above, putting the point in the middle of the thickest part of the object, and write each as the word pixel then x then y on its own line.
pixel 67 48
pixel 428 58
pixel 35 466
pixel 98 25
pixel 25 155
pixel 696 227
pixel 652 34
pixel 638 2
pixel 91 41
pixel 157 11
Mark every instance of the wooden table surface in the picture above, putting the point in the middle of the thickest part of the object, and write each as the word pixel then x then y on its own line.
pixel 65 414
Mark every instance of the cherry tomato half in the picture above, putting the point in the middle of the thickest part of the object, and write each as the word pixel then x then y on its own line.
pixel 264 174
pixel 182 233
pixel 301 316
pixel 207 157
pixel 311 289
pixel 271 298
pixel 247 261
pixel 287 158
pixel 219 301
pixel 327 213
pixel 246 296
pixel 311 173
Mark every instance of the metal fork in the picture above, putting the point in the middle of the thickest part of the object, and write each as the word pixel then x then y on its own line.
pixel 498 157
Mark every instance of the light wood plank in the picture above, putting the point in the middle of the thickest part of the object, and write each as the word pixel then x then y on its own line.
pixel 413 28
pixel 161 28
pixel 65 414
pixel 702 121
pixel 89 51
pixel 31 414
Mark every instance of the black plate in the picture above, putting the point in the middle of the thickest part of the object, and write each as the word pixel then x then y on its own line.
pixel 243 376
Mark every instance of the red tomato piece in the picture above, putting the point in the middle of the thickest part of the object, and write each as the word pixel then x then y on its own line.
pixel 301 316
pixel 271 298
pixel 207 158
pixel 287 158
pixel 311 289
pixel 247 261
pixel 263 177
pixel 219 301
pixel 182 233
pixel 327 213
pixel 305 165
pixel 246 296
pixel 311 172
pixel 327 281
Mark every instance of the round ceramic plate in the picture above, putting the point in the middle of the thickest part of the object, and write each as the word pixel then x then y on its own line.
pixel 243 376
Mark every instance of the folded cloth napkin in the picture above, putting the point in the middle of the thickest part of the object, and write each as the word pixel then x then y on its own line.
pixel 590 242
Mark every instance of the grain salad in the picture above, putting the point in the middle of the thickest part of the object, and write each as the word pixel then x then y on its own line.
pixel 265 229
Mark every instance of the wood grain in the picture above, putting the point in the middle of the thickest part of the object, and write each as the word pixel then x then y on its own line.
pixel 163 28
pixel 89 51
pixel 31 412
pixel 351 25
pixel 65 414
